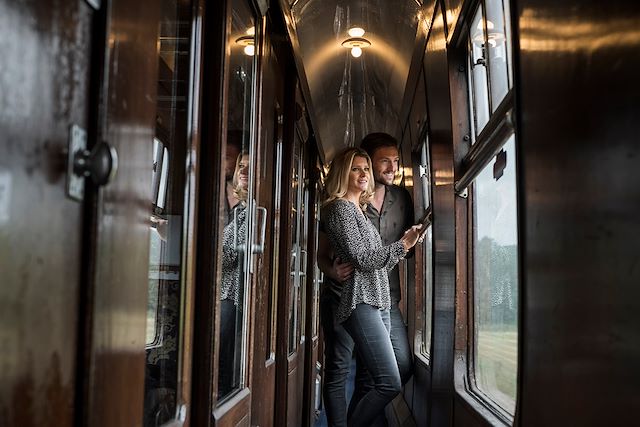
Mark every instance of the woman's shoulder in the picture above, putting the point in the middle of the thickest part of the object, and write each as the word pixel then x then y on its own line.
pixel 339 206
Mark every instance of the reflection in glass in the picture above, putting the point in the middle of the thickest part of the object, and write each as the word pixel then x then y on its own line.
pixel 234 244
pixel 497 46
pixel 170 146
pixel 479 91
pixel 495 277
pixel 237 206
pixel 425 175
pixel 428 291
pixel 294 265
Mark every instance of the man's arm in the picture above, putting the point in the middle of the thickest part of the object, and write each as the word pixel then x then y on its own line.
pixel 336 270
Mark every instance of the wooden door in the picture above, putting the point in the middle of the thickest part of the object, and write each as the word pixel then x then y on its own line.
pixel 118 235
pixel 230 216
pixel 293 276
pixel 74 272
pixel 46 52
pixel 268 191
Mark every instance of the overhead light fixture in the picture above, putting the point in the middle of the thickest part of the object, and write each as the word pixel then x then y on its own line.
pixel 495 37
pixel 248 42
pixel 356 42
pixel 356 32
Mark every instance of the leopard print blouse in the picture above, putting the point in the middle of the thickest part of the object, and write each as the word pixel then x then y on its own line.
pixel 354 238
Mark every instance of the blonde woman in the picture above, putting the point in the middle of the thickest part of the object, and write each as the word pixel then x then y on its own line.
pixel 364 304
pixel 235 232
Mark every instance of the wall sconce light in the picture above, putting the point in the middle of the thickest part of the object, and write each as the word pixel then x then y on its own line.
pixel 356 42
pixel 248 42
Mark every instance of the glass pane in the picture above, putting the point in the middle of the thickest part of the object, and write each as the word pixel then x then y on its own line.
pixel 296 255
pixel 495 276
pixel 238 206
pixel 425 173
pixel 317 276
pixel 428 291
pixel 478 74
pixel 170 147
pixel 497 44
pixel 304 233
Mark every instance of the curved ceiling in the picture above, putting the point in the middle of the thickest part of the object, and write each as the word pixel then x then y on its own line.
pixel 351 96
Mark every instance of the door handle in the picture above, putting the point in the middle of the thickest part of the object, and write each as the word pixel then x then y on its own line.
pixel 259 247
pixel 100 164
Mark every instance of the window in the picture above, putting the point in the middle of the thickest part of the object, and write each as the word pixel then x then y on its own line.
pixel 495 277
pixel 427 250
pixel 489 171
pixel 238 210
pixel 168 212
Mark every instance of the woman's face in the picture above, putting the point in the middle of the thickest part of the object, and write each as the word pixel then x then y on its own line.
pixel 242 171
pixel 359 175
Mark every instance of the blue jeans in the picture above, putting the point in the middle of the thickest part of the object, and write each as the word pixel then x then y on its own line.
pixel 369 328
pixel 338 350
pixel 402 351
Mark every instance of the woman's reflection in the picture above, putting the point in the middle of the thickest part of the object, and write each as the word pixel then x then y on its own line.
pixel 231 293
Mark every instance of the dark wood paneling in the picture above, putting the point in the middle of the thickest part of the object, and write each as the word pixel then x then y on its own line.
pixel 311 345
pixel 209 221
pixel 577 126
pixel 437 80
pixel 285 363
pixel 44 86
pixel 263 376
pixel 119 302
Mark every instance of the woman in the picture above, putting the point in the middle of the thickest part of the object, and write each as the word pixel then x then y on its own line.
pixel 231 291
pixel 364 300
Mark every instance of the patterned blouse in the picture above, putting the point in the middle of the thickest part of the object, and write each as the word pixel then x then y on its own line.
pixel 353 238
pixel 232 256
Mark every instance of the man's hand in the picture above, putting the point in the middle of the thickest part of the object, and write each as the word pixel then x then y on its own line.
pixel 341 271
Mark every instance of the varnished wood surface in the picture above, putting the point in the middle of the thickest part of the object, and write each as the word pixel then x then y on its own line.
pixel 265 290
pixel 44 88
pixel 118 303
pixel 577 137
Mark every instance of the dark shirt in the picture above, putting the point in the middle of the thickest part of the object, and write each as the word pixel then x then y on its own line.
pixel 396 217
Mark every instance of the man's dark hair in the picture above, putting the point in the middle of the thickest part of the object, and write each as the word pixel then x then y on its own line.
pixel 238 138
pixel 373 141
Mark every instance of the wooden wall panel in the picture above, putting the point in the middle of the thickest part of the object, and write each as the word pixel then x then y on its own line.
pixel 578 92
pixel 118 304
pixel 44 88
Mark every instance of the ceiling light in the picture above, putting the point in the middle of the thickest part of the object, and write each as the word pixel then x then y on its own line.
pixel 249 50
pixel 248 42
pixel 356 44
pixel 356 32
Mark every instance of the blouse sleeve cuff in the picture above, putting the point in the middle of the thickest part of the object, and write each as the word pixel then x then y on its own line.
pixel 397 250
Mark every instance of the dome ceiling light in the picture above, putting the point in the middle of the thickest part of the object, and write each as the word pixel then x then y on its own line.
pixel 356 42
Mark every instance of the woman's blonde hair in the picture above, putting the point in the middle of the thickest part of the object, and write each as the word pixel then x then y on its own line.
pixel 337 182
pixel 240 193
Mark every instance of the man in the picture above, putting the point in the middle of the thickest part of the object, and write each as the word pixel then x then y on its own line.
pixel 391 212
pixel 233 150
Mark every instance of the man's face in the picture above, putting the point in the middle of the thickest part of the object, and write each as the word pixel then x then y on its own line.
pixel 230 161
pixel 385 164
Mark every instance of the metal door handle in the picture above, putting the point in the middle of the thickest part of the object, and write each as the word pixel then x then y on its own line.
pixel 100 164
pixel 259 248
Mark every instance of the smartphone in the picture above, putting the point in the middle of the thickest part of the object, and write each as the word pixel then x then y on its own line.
pixel 425 221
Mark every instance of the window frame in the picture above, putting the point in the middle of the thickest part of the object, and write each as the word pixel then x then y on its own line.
pixel 473 155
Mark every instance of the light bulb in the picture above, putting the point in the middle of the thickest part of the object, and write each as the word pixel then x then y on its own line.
pixel 356 32
pixel 251 31
pixel 356 52
pixel 249 50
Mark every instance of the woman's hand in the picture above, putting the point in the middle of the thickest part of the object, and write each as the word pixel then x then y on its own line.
pixel 411 236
